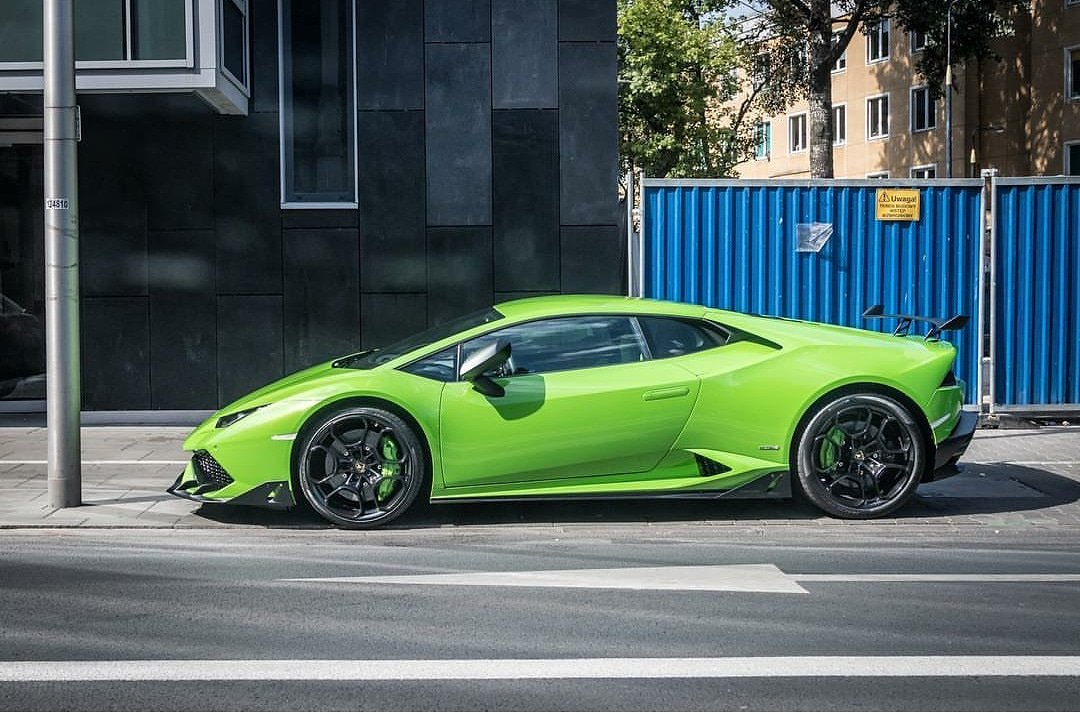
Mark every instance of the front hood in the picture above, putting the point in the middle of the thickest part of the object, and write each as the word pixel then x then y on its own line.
pixel 291 386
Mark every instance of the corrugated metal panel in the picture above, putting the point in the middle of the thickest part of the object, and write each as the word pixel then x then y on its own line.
pixel 732 244
pixel 1036 326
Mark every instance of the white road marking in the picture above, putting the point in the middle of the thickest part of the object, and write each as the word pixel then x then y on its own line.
pixel 186 670
pixel 763 578
pixel 758 578
pixel 101 462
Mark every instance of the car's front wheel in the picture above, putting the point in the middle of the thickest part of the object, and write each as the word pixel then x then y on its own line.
pixel 360 467
pixel 861 456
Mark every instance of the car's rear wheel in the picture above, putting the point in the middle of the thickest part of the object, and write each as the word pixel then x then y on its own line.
pixel 360 467
pixel 861 456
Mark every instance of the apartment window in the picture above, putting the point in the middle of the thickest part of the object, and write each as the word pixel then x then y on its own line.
pixel 153 33
pixel 759 70
pixel 234 39
pixel 839 124
pixel 841 61
pixel 1072 73
pixel 797 133
pixel 877 117
pixel 877 42
pixel 928 171
pixel 923 110
pixel 318 117
pixel 878 175
pixel 763 141
pixel 1072 156
pixel 918 41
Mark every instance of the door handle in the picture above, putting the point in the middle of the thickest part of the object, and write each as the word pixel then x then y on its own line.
pixel 666 393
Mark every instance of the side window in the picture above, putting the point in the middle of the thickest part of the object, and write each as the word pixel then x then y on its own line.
pixel 441 366
pixel 672 337
pixel 565 343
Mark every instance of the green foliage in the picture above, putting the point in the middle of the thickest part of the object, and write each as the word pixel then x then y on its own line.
pixel 678 68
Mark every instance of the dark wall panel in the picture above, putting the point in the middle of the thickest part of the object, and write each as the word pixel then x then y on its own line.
pixel 587 21
pixel 183 320
pixel 459 272
pixel 115 351
pixel 457 20
pixel 392 199
pixel 388 318
pixel 390 54
pixel 526 159
pixel 264 55
pixel 593 260
pixel 112 210
pixel 524 69
pixel 322 295
pixel 458 135
pixel 249 343
pixel 246 214
pixel 179 169
pixel 588 133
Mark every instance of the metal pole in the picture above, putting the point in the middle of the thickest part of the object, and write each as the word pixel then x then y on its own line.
pixel 61 258
pixel 948 89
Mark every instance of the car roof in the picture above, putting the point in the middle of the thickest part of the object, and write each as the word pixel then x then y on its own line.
pixel 548 305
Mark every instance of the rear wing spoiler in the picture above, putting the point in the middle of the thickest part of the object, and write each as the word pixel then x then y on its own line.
pixel 937 325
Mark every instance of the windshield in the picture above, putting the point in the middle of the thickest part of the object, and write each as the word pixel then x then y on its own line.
pixel 382 355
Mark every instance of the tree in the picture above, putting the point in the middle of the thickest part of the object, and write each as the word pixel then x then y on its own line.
pixel 681 69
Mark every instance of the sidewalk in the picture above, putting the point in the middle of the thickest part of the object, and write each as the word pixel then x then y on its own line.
pixel 1026 478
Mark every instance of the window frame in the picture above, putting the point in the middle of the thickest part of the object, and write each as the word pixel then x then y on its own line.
pixel 923 167
pixel 837 68
pixel 911 41
pixel 187 62
pixel 888 120
pixel 805 132
pixel 763 138
pixel 317 205
pixel 1070 79
pixel 931 110
pixel 877 175
pixel 244 6
pixel 878 31
pixel 1066 165
pixel 843 141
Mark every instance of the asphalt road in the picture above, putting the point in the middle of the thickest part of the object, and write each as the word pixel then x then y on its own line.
pixel 610 616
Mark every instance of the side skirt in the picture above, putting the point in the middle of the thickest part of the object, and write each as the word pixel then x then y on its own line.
pixel 770 486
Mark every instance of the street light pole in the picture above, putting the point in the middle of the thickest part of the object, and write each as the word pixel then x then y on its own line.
pixel 61 257
pixel 948 89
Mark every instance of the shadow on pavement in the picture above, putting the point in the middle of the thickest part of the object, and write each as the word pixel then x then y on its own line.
pixel 984 489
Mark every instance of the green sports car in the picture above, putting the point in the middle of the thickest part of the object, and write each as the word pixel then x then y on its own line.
pixel 597 397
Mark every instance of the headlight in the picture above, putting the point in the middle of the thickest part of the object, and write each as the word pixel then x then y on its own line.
pixel 230 419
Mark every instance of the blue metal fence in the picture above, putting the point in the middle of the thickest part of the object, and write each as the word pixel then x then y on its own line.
pixel 732 244
pixel 1035 326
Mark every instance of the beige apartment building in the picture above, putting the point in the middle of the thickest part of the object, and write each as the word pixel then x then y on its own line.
pixel 1020 116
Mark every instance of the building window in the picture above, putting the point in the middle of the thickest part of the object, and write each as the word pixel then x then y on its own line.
pixel 839 124
pixel 1072 157
pixel 151 33
pixel 878 175
pixel 877 117
pixel 759 70
pixel 234 39
pixel 841 61
pixel 318 117
pixel 1072 73
pixel 928 171
pixel 797 133
pixel 923 110
pixel 877 42
pixel 918 41
pixel 763 141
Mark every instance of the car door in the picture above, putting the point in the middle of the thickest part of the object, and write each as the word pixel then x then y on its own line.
pixel 581 399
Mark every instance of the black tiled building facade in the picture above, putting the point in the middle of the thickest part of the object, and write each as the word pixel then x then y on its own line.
pixel 486 146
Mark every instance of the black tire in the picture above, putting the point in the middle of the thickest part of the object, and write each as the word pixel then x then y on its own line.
pixel 360 467
pixel 861 456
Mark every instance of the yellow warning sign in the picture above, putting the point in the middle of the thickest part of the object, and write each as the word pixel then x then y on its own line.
pixel 897 204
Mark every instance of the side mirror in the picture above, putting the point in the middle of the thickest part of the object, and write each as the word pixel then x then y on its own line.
pixel 485 360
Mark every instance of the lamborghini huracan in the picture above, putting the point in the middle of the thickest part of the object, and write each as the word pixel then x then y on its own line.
pixel 597 397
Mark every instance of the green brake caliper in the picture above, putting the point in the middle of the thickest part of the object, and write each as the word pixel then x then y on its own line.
pixel 829 452
pixel 391 469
